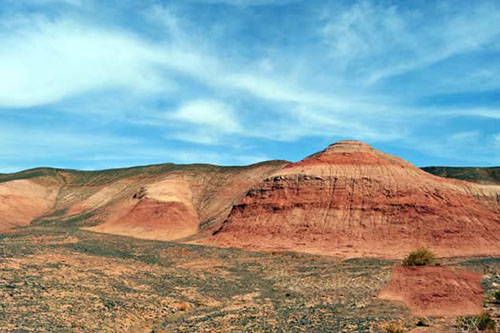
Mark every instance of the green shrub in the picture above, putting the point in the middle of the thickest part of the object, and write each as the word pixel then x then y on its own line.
pixel 497 296
pixel 420 257
pixel 482 322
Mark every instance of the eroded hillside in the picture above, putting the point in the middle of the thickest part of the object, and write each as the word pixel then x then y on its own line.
pixel 352 200
pixel 162 202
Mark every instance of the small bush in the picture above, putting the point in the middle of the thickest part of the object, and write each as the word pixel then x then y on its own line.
pixel 420 257
pixel 482 322
pixel 497 296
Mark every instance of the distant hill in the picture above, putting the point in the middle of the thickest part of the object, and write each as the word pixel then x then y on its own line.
pixel 163 201
pixel 100 177
pixel 477 175
pixel 489 175
pixel 348 200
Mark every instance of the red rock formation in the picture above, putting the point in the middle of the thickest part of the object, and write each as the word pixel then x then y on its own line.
pixel 353 200
pixel 436 291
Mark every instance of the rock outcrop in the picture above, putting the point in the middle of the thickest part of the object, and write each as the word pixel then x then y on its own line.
pixel 352 200
pixel 436 291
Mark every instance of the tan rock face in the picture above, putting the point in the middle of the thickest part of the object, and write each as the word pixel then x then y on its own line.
pixel 23 200
pixel 153 219
pixel 162 209
pixel 352 200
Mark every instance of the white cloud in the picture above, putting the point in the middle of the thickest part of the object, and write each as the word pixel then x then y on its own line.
pixel 211 113
pixel 280 90
pixel 464 137
pixel 204 122
pixel 49 61
pixel 480 112
pixel 44 62
pixel 197 136
pixel 361 31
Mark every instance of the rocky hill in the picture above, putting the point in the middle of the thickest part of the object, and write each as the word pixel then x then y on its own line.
pixel 353 200
pixel 349 200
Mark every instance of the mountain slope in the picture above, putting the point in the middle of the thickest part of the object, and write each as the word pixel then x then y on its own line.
pixel 163 202
pixel 353 200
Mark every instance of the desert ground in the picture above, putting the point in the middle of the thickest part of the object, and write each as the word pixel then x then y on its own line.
pixel 70 280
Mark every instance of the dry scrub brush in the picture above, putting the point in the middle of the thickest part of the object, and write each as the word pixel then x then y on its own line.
pixel 420 257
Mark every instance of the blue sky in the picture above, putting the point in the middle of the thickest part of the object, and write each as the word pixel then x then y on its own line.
pixel 95 84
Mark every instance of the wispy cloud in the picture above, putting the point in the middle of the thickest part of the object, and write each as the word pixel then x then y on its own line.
pixel 395 39
pixel 221 74
pixel 45 61
pixel 210 113
pixel 208 121
pixel 482 148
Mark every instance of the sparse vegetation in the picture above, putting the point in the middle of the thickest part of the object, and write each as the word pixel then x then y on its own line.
pixel 100 177
pixel 479 175
pixel 66 279
pixel 79 220
pixel 482 322
pixel 60 277
pixel 497 296
pixel 420 257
